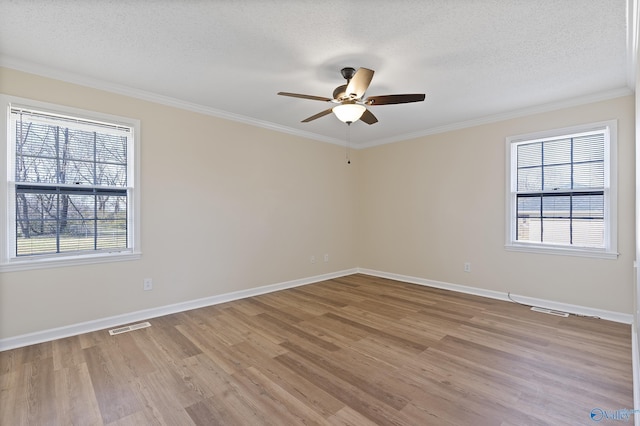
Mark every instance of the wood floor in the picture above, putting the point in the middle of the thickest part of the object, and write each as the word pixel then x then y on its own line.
pixel 357 350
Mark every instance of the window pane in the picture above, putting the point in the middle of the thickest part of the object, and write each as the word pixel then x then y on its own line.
pixel 112 234
pixel 77 172
pixel 588 206
pixel 529 223
pixel 77 235
pixel 36 224
pixel 112 207
pixel 556 206
pixel 33 211
pixel 588 148
pixel 588 233
pixel 36 244
pixel 34 169
pixel 557 177
pixel 36 138
pixel 530 179
pixel 588 175
pixel 76 207
pixel 556 231
pixel 529 154
pixel 77 144
pixel 111 149
pixel 111 175
pixel 529 206
pixel 557 152
pixel 529 230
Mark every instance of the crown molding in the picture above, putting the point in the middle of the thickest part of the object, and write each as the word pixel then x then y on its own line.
pixel 596 97
pixel 633 41
pixel 93 83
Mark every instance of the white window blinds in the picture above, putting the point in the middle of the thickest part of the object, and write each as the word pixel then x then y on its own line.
pixel 70 184
pixel 561 189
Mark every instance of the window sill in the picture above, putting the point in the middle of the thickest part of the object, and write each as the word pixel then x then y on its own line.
pixel 58 262
pixel 556 250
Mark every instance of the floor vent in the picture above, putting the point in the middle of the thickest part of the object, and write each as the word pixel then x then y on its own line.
pixel 550 312
pixel 128 328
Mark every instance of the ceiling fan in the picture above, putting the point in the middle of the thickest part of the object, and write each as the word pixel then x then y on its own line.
pixel 348 97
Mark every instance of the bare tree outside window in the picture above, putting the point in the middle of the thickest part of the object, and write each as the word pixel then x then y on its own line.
pixel 71 185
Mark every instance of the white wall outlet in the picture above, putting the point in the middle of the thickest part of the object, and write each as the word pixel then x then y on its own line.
pixel 467 266
pixel 312 259
pixel 326 257
pixel 147 284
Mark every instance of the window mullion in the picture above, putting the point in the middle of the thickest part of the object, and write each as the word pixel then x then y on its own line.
pixel 571 219
pixel 18 223
pixel 542 172
pixel 571 183
pixel 57 142
pixel 95 196
pixel 57 220
pixel 541 218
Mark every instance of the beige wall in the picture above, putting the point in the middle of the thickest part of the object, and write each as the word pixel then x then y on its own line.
pixel 225 207
pixel 228 206
pixel 429 205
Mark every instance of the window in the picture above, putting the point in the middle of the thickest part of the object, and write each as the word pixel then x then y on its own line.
pixel 561 191
pixel 70 187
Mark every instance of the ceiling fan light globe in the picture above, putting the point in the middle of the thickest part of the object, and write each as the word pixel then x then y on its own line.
pixel 349 113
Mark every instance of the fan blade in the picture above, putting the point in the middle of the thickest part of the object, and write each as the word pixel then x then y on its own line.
pixel 359 83
pixel 318 115
pixel 394 99
pixel 368 118
pixel 298 95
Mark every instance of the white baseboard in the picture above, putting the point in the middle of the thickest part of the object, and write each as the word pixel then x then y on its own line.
pixel 635 357
pixel 558 306
pixel 119 320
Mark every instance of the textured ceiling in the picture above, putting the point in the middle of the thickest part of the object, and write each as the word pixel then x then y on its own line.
pixel 476 60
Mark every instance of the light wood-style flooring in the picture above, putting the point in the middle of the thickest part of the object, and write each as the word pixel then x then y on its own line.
pixel 356 350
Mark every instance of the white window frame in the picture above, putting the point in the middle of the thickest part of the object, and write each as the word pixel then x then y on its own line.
pixel 610 249
pixel 8 259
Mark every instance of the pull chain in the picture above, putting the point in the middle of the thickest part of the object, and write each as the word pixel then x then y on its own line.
pixel 347 153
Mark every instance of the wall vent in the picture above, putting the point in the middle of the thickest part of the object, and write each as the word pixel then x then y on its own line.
pixel 550 312
pixel 128 328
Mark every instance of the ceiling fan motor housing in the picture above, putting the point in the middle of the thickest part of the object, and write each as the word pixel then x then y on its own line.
pixel 348 72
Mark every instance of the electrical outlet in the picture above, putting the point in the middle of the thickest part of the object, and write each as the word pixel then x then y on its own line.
pixel 312 259
pixel 147 284
pixel 326 257
pixel 467 267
